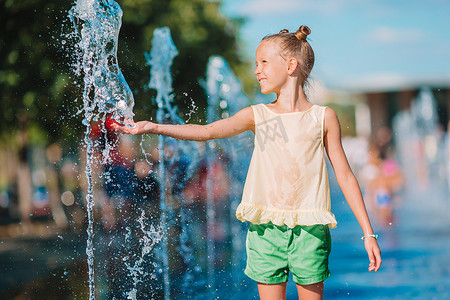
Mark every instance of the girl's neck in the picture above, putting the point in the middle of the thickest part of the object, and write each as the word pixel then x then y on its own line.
pixel 291 98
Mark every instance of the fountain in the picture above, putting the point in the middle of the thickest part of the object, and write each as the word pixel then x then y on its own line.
pixel 225 98
pixel 106 95
pixel 418 127
pixel 96 26
pixel 160 60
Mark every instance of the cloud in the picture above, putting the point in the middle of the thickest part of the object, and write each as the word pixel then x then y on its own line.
pixel 389 35
pixel 270 7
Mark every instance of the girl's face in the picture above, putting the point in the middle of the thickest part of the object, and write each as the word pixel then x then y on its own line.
pixel 271 68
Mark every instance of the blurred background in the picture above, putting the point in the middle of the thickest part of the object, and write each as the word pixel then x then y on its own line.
pixel 383 66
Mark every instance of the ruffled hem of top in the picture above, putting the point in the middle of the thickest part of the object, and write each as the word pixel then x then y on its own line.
pixel 259 215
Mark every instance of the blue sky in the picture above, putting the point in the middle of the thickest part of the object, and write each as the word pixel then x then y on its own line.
pixel 360 44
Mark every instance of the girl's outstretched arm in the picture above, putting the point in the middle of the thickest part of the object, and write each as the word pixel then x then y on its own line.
pixel 240 122
pixel 349 185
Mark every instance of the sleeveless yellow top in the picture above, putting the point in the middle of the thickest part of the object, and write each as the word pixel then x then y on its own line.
pixel 287 180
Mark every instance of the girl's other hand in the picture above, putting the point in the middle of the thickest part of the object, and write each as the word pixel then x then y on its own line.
pixel 373 250
pixel 130 127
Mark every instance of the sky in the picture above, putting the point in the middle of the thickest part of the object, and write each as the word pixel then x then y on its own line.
pixel 358 44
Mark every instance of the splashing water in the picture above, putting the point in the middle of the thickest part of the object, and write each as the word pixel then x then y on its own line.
pixel 223 89
pixel 192 108
pixel 160 60
pixel 178 160
pixel 150 238
pixel 225 98
pixel 96 25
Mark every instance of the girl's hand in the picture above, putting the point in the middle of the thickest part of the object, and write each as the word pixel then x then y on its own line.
pixel 374 253
pixel 131 127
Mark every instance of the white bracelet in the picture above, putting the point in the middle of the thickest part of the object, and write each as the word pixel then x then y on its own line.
pixel 370 235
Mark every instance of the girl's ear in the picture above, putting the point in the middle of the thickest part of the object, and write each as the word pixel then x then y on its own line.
pixel 292 65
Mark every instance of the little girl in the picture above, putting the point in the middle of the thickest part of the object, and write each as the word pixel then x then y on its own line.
pixel 286 196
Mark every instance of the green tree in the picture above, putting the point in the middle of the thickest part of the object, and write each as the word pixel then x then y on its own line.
pixel 37 87
pixel 34 87
pixel 198 29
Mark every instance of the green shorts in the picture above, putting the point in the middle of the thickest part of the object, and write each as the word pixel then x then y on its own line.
pixel 273 251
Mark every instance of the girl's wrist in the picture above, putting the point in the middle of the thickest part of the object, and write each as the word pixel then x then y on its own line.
pixel 156 128
pixel 375 236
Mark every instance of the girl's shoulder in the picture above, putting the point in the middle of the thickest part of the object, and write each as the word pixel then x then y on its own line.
pixel 330 118
pixel 320 111
pixel 321 107
pixel 258 108
pixel 329 112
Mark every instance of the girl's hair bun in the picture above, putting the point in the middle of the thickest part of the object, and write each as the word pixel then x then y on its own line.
pixel 302 32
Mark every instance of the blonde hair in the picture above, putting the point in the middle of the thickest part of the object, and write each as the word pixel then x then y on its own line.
pixel 294 44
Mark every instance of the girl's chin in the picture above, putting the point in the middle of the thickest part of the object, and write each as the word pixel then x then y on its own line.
pixel 265 92
pixel 265 89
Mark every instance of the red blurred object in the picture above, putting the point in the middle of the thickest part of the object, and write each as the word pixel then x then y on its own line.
pixel 97 129
pixel 103 133
pixel 109 122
